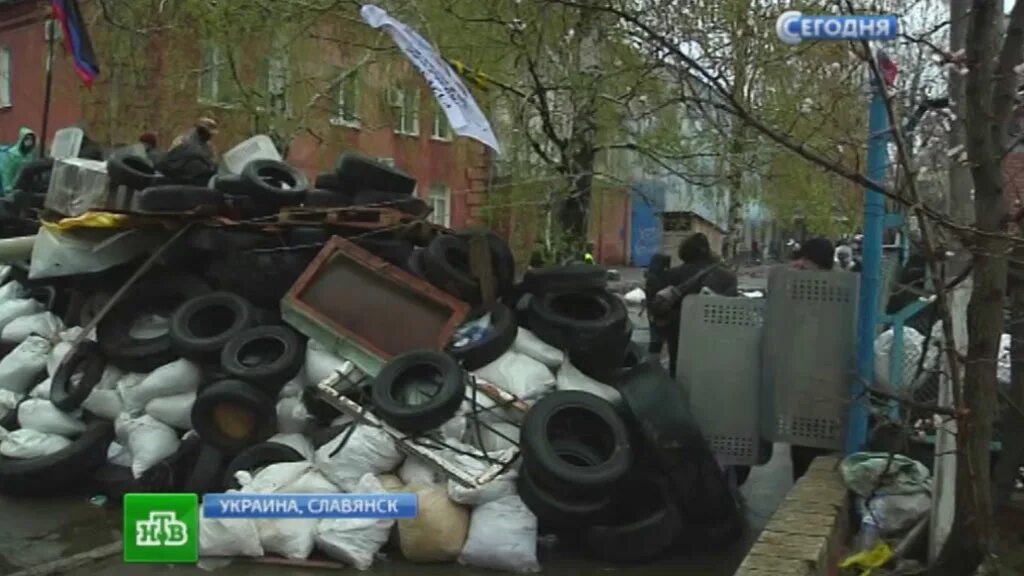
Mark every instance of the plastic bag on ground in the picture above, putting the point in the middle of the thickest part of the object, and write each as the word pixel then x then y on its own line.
pixel 41 391
pixel 502 536
pixel 493 437
pixel 320 363
pixel 292 416
pixel 44 324
pixel 570 378
pixel 118 454
pixel 149 440
pixel 438 532
pixel 297 442
pixel 895 513
pixel 27 444
pixel 872 474
pixel 470 460
pixel 12 291
pixel 367 450
pixel 104 403
pixel 12 309
pixel 355 541
pixel 417 472
pixel 20 369
pixel 43 416
pixel 913 344
pixel 175 411
pixel 228 536
pixel 519 374
pixel 635 296
pixel 178 377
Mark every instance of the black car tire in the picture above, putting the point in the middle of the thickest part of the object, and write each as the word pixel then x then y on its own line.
pixel 262 277
pixel 87 359
pixel 61 472
pixel 133 172
pixel 207 472
pixel 328 181
pixel 582 320
pixel 415 264
pixel 446 264
pixel 646 526
pixel 357 173
pixel 255 457
pixel 441 407
pixel 219 406
pixel 502 260
pixel 231 184
pixel 115 481
pixel 322 412
pixel 202 326
pixel 586 418
pixel 403 203
pixel 160 295
pixel 224 239
pixel 559 512
pixel 177 198
pixel 169 474
pixel 494 344
pixel 564 278
pixel 281 355
pixel 395 251
pixel 276 182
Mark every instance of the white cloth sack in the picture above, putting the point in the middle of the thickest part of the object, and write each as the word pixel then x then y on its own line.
pixel 149 440
pixel 320 364
pixel 355 541
pixel 228 536
pixel 27 444
pixel 368 450
pixel 293 389
pixel 913 344
pixel 42 415
pixel 494 437
pixel 468 459
pixel 502 536
pixel 111 376
pixel 438 532
pixel 42 390
pixel 20 369
pixel 9 401
pixel 292 416
pixel 297 442
pixel 570 378
pixel 119 455
pixel 104 403
pixel 12 309
pixel 417 472
pixel 44 324
pixel 178 377
pixel 528 343
pixel 175 411
pixel 519 374
pixel 288 537
pixel 636 296
pixel 12 291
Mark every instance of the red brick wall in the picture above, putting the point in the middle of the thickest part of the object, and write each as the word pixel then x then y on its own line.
pixel 1013 181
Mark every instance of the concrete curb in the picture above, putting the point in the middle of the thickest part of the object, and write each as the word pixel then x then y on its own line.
pixel 807 534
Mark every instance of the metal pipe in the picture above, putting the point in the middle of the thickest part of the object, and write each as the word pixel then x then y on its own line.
pixel 870 277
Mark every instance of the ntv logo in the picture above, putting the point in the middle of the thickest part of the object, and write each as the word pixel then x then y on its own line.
pixel 793 27
pixel 161 529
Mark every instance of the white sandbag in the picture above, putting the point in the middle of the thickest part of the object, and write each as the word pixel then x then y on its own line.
pixel 175 411
pixel 493 437
pixel 292 416
pixel 105 404
pixel 228 536
pixel 438 532
pixel 519 374
pixel 20 369
pixel 570 378
pixel 391 483
pixel 529 344
pixel 119 455
pixel 455 428
pixel 291 537
pixel 42 390
pixel 42 415
pixel 295 441
pixel 502 536
pixel 320 364
pixel 271 478
pixel 469 459
pixel 355 541
pixel 417 472
pixel 44 324
pixel 636 296
pixel 149 440
pixel 56 356
pixel 179 377
pixel 12 309
pixel 9 400
pixel 111 376
pixel 70 334
pixel 913 344
pixel 368 450
pixel 293 389
pixel 27 444
pixel 12 291
pixel 312 482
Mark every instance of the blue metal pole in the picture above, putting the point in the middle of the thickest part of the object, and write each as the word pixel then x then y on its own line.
pixel 871 268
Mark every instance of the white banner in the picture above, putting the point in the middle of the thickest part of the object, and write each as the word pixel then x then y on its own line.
pixel 463 113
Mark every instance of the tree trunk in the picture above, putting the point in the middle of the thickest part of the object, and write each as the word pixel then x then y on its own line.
pixel 958 200
pixel 737 144
pixel 1011 457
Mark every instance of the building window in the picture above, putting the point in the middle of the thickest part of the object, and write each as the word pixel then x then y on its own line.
pixel 442 131
pixel 216 81
pixel 5 77
pixel 348 100
pixel 405 109
pixel 276 87
pixel 440 201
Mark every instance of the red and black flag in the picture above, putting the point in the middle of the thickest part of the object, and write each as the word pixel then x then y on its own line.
pixel 76 39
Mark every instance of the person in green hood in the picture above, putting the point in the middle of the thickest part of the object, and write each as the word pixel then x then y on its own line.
pixel 12 159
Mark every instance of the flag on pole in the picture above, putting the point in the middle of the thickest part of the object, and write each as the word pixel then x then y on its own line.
pixel 76 39
pixel 888 68
pixel 463 113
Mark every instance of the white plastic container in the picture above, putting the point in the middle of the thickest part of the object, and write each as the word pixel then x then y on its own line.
pixel 259 147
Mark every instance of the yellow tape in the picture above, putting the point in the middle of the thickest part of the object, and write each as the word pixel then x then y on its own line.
pixel 105 220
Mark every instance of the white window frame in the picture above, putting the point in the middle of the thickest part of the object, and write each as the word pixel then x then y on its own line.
pixel 219 61
pixel 389 162
pixel 440 195
pixel 349 83
pixel 278 79
pixel 6 100
pixel 407 122
pixel 441 131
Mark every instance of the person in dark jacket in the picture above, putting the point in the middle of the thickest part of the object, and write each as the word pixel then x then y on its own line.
pixel 654 282
pixel 700 269
pixel 148 141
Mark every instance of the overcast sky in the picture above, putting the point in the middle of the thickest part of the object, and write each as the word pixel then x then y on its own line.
pixel 1008 4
